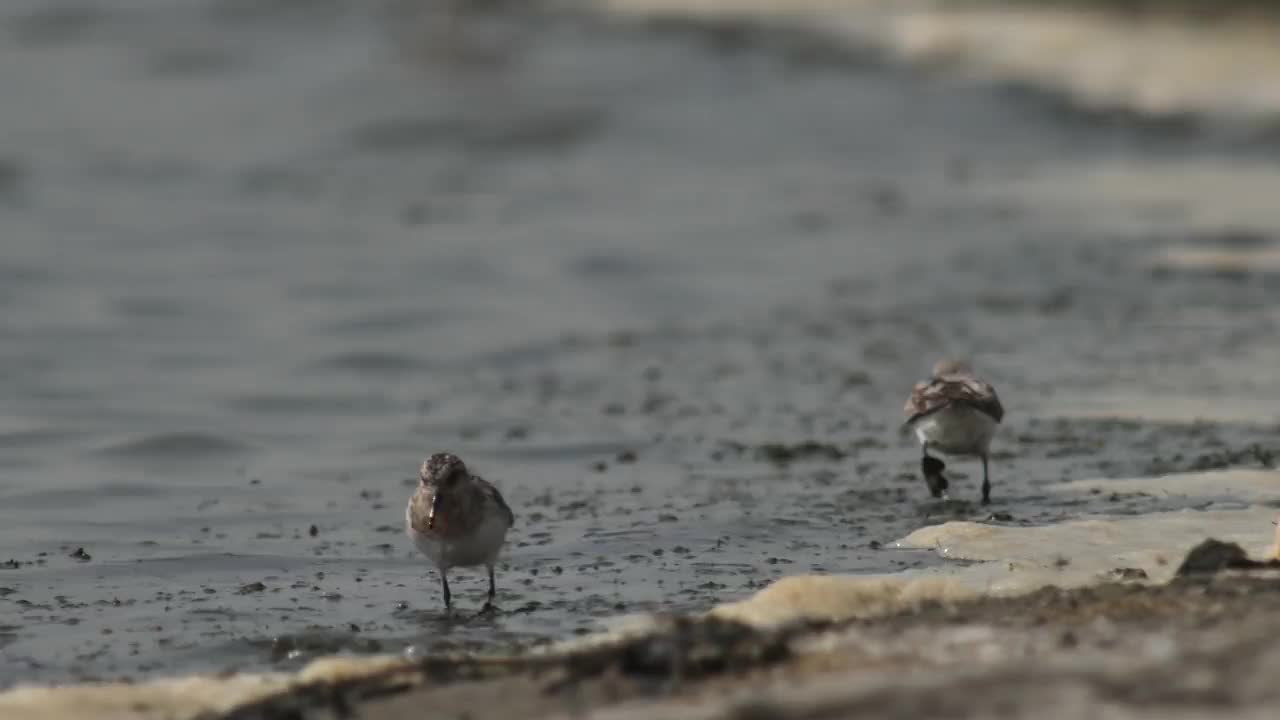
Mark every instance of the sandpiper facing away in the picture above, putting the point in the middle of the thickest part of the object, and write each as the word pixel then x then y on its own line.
pixel 954 413
pixel 457 519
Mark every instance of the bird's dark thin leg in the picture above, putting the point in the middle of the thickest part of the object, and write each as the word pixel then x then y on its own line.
pixel 986 483
pixel 932 468
pixel 444 583
pixel 489 608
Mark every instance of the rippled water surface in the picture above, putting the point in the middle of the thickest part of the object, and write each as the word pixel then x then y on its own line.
pixel 665 286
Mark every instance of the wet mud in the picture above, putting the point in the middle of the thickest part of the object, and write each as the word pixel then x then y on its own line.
pixel 673 321
pixel 1137 650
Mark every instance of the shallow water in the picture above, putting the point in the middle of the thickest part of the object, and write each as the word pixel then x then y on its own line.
pixel 665 287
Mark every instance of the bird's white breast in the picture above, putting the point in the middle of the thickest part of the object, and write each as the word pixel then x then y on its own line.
pixel 957 430
pixel 479 547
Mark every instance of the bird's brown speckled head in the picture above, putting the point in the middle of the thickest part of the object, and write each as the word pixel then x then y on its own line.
pixel 950 366
pixel 442 469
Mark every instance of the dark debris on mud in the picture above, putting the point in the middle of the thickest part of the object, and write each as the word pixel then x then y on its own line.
pixel 1252 455
pixel 1213 556
pixel 781 453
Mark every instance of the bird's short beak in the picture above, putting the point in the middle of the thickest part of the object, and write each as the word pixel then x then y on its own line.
pixel 431 516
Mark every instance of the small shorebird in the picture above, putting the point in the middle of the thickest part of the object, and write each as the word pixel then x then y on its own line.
pixel 955 413
pixel 457 519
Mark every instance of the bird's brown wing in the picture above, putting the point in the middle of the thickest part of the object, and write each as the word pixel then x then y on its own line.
pixel 491 494
pixel 930 397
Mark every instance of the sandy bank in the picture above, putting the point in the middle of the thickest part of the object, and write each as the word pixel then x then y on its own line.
pixel 1159 65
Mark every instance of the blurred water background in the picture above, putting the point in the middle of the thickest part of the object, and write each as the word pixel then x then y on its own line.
pixel 663 274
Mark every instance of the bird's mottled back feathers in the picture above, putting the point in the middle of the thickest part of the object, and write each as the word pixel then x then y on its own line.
pixel 493 496
pixel 955 389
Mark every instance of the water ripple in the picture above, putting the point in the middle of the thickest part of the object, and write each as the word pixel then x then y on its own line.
pixel 176 446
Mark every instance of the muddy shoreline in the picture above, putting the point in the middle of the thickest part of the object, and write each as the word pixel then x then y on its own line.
pixel 1198 644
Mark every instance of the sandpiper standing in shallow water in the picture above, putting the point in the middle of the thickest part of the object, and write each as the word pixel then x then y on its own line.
pixel 457 519
pixel 955 413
